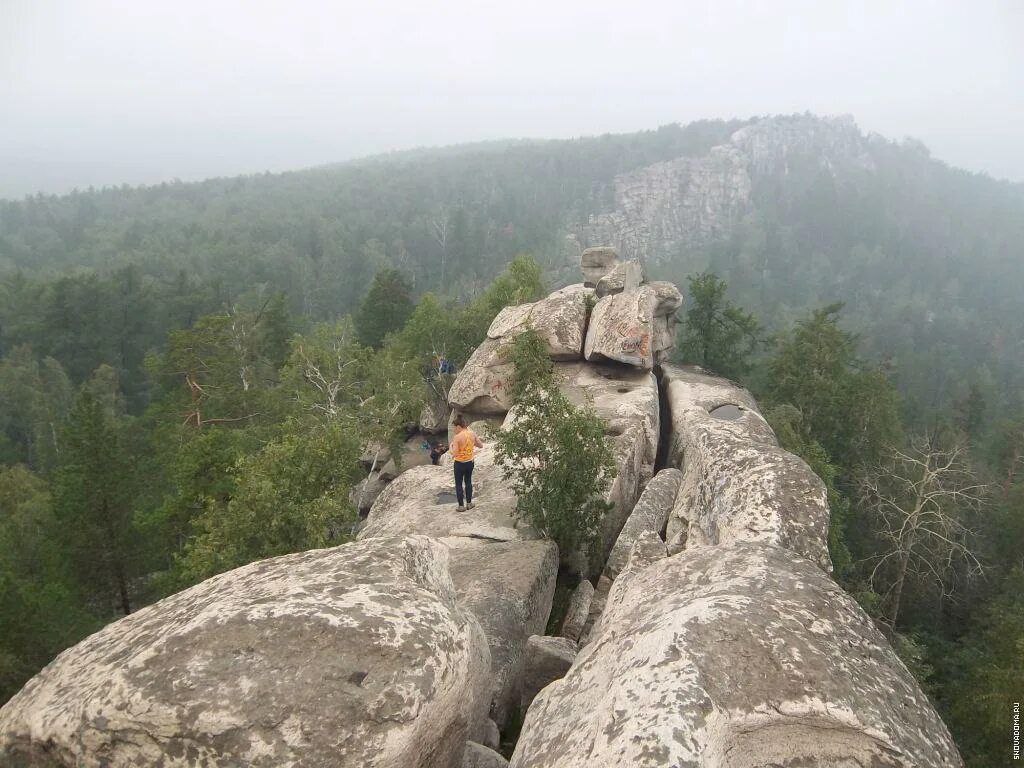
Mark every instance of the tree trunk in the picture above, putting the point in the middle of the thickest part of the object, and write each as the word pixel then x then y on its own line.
pixel 897 590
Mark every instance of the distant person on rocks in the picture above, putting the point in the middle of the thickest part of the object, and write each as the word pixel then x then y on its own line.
pixel 437 450
pixel 463 449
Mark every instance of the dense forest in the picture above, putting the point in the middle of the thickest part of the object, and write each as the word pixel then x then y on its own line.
pixel 189 373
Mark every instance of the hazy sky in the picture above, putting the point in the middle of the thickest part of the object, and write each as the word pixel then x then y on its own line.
pixel 110 91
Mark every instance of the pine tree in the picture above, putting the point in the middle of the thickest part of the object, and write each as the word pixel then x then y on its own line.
pixel 717 335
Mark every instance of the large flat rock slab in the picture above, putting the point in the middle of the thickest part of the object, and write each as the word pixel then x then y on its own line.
pixel 357 655
pixel 509 587
pixel 621 328
pixel 738 484
pixel 423 501
pixel 738 656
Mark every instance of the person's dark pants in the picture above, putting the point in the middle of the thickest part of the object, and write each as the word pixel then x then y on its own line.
pixel 464 475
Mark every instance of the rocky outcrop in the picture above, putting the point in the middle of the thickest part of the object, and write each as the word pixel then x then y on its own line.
pixel 650 514
pixel 733 657
pixel 625 276
pixel 726 647
pixel 675 209
pixel 508 586
pixel 479 756
pixel 597 262
pixel 501 570
pixel 560 320
pixel 547 659
pixel 680 204
pixel 738 484
pixel 622 329
pixel 483 384
pixel 358 655
pixel 578 611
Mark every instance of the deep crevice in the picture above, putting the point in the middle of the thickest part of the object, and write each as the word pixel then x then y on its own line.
pixel 664 422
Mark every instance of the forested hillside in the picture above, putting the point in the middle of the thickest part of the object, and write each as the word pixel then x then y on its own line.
pixel 190 372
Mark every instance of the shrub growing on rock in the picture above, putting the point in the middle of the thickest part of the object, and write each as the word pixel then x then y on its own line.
pixel 554 454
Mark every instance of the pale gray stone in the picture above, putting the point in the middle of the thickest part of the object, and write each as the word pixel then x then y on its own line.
pixel 578 611
pixel 357 655
pixel 560 320
pixel 732 657
pixel 664 342
pixel 479 756
pixel 508 586
pixel 624 276
pixel 738 484
pixel 502 571
pixel 490 736
pixel 483 384
pixel 596 262
pixel 669 298
pixel 547 659
pixel 434 418
pixel 650 514
pixel 366 491
pixel 415 453
pixel 621 328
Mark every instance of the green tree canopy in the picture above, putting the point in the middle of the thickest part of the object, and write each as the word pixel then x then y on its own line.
pixel 385 308
pixel 717 335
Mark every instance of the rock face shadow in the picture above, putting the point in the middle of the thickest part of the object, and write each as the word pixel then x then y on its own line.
pixel 446 497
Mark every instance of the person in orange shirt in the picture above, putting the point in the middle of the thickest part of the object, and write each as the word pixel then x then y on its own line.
pixel 463 448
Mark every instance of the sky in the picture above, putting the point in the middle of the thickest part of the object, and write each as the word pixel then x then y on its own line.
pixel 100 92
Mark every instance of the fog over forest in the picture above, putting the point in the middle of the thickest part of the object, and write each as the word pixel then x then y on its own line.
pixel 721 303
pixel 105 92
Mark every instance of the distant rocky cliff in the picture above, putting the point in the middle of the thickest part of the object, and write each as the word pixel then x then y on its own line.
pixel 684 204
pixel 709 632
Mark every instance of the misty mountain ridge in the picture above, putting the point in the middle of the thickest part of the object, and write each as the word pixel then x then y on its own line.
pixel 793 211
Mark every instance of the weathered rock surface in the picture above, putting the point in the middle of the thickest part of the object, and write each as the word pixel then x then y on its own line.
pixel 734 657
pixel 415 453
pixel 479 756
pixel 482 386
pixel 682 205
pixel 434 418
pixel 422 500
pixel 502 571
pixel 738 484
pixel 622 328
pixel 508 586
pixel 366 491
pixel 597 262
pixel 625 276
pixel 559 319
pixel 578 611
pixel 649 514
pixel 669 298
pixel 620 396
pixel 675 205
pixel 490 736
pixel 357 655
pixel 547 659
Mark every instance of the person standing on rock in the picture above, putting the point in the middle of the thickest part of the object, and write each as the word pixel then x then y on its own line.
pixel 463 448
